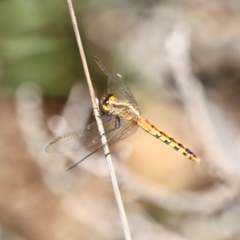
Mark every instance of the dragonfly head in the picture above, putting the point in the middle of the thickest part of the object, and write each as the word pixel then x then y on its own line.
pixel 107 103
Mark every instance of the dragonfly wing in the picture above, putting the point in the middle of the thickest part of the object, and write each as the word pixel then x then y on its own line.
pixel 73 141
pixel 114 134
pixel 118 87
pixel 89 136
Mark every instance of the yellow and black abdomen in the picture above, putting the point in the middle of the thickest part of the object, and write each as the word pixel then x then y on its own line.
pixel 150 128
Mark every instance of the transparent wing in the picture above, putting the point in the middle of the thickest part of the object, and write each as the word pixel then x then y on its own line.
pixel 81 138
pixel 73 141
pixel 89 136
pixel 126 129
pixel 118 87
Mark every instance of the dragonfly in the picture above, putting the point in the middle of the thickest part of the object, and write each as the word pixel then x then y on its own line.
pixel 121 118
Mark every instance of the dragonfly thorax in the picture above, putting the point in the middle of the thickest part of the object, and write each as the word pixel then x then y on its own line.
pixel 112 105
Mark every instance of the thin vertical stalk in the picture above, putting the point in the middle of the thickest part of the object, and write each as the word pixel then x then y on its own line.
pixel 100 128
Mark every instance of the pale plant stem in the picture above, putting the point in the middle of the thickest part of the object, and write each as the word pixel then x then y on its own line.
pixel 100 128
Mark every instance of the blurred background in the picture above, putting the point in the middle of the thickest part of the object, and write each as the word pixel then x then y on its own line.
pixel 181 60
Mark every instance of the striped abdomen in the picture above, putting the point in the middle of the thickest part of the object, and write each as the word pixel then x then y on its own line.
pixel 148 127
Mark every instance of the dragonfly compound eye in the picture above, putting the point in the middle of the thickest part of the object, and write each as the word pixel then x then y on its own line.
pixel 106 103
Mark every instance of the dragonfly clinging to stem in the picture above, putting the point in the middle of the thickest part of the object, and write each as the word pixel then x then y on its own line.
pixel 121 118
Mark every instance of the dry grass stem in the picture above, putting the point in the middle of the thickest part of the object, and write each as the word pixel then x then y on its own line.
pixel 101 129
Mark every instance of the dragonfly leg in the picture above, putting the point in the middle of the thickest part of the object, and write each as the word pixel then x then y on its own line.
pixel 109 117
pixel 106 114
pixel 117 122
pixel 116 126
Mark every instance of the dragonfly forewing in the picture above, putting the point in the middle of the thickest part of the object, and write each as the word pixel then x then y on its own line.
pixel 73 141
pixel 89 136
pixel 118 87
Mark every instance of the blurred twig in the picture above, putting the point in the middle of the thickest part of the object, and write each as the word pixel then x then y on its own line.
pixel 193 98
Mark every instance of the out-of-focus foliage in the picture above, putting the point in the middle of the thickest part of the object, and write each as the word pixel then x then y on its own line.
pixel 37 44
